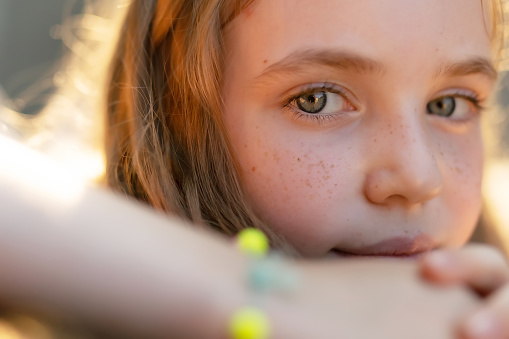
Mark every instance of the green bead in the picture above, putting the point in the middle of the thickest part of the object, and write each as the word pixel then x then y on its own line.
pixel 249 323
pixel 263 275
pixel 253 242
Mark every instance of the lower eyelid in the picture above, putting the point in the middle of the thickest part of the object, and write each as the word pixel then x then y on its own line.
pixel 320 118
pixel 316 119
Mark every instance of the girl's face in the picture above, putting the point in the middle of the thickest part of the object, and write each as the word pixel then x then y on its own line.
pixel 357 123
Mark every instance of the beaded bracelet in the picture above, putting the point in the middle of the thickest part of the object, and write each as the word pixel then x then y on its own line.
pixel 266 273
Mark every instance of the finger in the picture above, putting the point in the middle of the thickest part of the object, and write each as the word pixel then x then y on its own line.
pixel 491 321
pixel 481 267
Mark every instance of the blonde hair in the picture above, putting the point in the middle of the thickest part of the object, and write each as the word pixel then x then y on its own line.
pixel 166 143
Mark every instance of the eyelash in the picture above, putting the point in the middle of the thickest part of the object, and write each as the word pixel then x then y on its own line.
pixel 472 98
pixel 297 114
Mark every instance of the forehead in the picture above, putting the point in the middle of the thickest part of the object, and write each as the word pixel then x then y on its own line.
pixel 390 31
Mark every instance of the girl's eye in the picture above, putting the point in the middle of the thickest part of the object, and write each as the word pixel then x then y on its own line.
pixel 458 107
pixel 321 102
pixel 443 107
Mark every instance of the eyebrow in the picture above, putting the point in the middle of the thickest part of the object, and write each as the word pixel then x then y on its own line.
pixel 355 63
pixel 474 65
pixel 339 60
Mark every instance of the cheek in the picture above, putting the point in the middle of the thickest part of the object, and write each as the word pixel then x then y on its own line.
pixel 462 171
pixel 294 184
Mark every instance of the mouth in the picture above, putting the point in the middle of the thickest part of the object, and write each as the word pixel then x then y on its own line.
pixel 397 247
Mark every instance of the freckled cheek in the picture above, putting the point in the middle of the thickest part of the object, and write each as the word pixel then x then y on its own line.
pixel 462 168
pixel 289 184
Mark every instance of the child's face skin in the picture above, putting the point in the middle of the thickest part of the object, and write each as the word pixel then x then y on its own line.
pixel 382 167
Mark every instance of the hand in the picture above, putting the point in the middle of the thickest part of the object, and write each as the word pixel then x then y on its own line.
pixel 368 298
pixel 485 270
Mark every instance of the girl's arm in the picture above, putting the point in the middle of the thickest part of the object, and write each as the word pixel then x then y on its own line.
pixel 65 247
pixel 86 254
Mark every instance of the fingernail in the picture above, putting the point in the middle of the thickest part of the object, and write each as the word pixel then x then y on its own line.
pixel 482 325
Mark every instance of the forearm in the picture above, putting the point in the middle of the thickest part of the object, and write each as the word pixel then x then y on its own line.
pixel 110 261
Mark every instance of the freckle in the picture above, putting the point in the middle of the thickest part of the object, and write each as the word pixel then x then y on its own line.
pixel 331 166
pixel 265 61
pixel 245 146
pixel 308 184
pixel 253 169
pixel 335 185
pixel 441 153
pixel 458 170
pixel 374 140
pixel 406 232
pixel 266 153
pixel 257 127
pixel 376 186
pixel 298 159
pixel 436 49
pixel 390 132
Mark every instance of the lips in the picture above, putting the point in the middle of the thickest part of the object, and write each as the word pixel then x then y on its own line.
pixel 391 247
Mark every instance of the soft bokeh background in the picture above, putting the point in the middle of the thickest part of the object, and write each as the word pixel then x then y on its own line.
pixel 30 47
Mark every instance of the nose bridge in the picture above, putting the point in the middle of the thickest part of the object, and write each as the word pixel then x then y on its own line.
pixel 407 142
pixel 404 162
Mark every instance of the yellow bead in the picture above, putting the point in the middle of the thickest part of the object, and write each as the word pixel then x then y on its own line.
pixel 249 323
pixel 253 242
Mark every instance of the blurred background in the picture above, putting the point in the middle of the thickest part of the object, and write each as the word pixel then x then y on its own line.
pixel 30 49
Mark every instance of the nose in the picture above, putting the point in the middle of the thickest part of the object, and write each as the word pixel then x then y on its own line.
pixel 402 167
